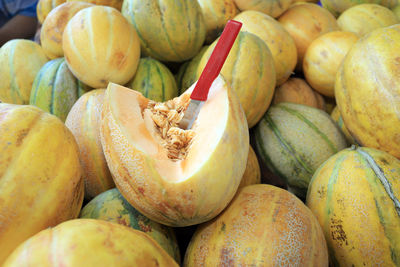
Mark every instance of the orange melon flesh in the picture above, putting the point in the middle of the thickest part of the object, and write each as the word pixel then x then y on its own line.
pixel 127 106
pixel 178 192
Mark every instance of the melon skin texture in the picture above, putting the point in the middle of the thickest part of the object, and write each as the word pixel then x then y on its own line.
pixel 112 207
pixel 154 80
pixel 55 89
pixel 40 174
pixel 367 90
pixel 101 46
pixel 249 70
pixel 252 174
pixel 293 140
pixel 263 226
pixel 20 61
pixel 117 4
pixel 278 40
pixel 169 30
pixel 323 58
pixel 273 8
pixel 337 7
pixel 92 242
pixel 335 114
pixel 53 27
pixel 84 121
pixel 185 192
pixel 364 18
pixel 44 7
pixel 355 197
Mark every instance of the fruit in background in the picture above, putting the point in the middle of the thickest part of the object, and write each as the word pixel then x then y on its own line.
pixel 20 61
pixel 296 90
pixel 263 226
pixel 170 175
pixel 111 206
pixel 396 11
pixel 154 80
pixel 94 242
pixel 44 7
pixel 323 58
pixel 249 70
pixel 305 22
pixel 336 7
pixel 278 40
pixel 338 119
pixel 187 74
pixel 175 34
pixel 252 174
pixel 294 140
pixel 55 89
pixel 117 4
pixel 271 8
pixel 364 18
pixel 367 89
pixel 100 46
pixel 84 121
pixel 355 197
pixel 54 25
pixel 36 183
pixel 216 14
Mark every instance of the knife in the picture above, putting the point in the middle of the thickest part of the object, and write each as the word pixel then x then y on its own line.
pixel 210 73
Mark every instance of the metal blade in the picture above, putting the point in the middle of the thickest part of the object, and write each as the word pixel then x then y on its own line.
pixel 191 113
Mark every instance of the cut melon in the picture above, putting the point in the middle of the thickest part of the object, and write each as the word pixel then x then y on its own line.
pixel 173 176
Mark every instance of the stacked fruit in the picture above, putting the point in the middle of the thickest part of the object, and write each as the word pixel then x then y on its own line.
pixel 89 128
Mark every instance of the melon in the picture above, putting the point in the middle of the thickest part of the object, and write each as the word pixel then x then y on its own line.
pixel 278 40
pixel 355 197
pixel 117 4
pixel 94 242
pixel 101 46
pixel 84 121
pixel 167 173
pixel 335 114
pixel 40 174
pixel 112 207
pixel 44 7
pixel 305 22
pixel 337 7
pixel 367 90
pixel 55 89
pixel 364 18
pixel 53 27
pixel 323 58
pixel 296 90
pixel 216 14
pixel 169 30
pixel 20 61
pixel 154 80
pixel 249 70
pixel 396 11
pixel 252 174
pixel 187 74
pixel 273 8
pixel 263 226
pixel 293 140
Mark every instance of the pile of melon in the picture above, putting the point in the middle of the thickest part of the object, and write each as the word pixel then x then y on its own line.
pixel 293 160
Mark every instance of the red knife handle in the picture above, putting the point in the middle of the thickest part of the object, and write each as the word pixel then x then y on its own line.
pixel 216 60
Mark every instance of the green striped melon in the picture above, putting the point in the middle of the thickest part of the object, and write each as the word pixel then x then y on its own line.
pixel 84 121
pixel 111 206
pixel 355 196
pixel 20 61
pixel 273 8
pixel 335 114
pixel 293 140
pixel 154 80
pixel 187 74
pixel 55 89
pixel 169 30
pixel 336 7
pixel 249 70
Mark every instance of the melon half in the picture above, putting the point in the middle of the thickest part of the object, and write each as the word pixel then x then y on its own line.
pixel 173 176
